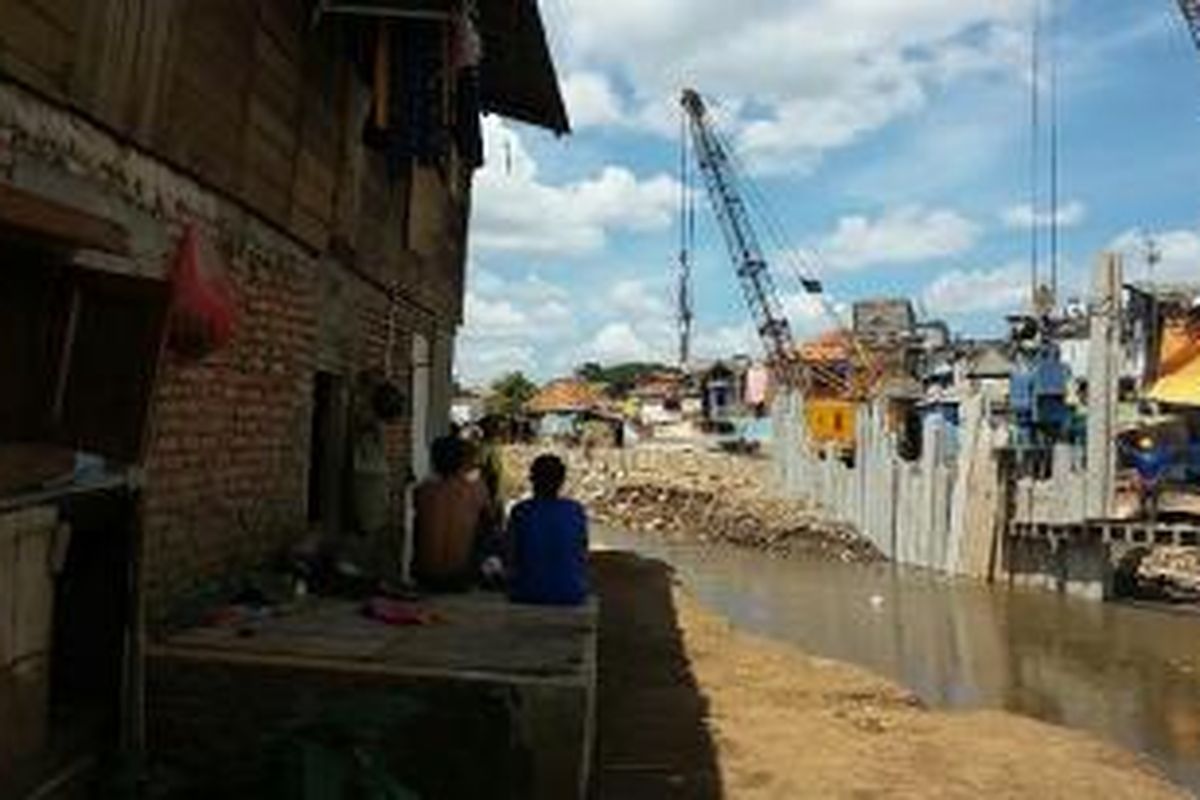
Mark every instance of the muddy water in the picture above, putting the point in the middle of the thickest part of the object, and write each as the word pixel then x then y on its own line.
pixel 1129 675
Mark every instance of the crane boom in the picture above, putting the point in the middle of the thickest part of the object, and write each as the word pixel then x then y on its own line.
pixel 1191 13
pixel 728 206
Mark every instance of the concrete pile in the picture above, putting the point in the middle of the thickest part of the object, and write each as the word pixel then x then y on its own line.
pixel 705 497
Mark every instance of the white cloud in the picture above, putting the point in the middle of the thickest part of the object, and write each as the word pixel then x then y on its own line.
pixel 617 342
pixel 479 363
pixel 976 291
pixel 495 318
pixel 636 299
pixel 726 340
pixel 797 77
pixel 1179 251
pixel 807 313
pixel 1022 216
pixel 515 211
pixel 591 99
pixel 511 324
pixel 903 235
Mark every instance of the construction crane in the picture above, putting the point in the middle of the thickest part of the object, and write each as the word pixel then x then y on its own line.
pixel 728 188
pixel 725 195
pixel 1191 14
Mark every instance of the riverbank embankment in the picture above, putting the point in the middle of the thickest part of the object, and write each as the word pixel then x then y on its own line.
pixel 689 707
pixel 702 496
pixel 693 495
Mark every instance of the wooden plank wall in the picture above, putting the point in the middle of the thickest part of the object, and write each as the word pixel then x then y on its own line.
pixel 206 112
pixel 39 43
pixel 241 93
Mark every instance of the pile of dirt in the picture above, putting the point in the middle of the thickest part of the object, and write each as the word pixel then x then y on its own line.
pixel 700 496
pixel 778 527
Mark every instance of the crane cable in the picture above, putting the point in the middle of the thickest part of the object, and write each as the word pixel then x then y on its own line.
pixel 1054 130
pixel 687 235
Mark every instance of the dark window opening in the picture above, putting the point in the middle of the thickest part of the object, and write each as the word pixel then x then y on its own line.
pixel 80 355
pixel 328 450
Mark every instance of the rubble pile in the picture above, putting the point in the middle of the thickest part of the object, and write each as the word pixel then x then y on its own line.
pixel 1173 572
pixel 705 497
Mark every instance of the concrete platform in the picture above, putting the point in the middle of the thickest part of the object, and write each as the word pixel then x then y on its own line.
pixel 490 699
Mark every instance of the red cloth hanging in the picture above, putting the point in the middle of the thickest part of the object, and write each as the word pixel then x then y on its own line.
pixel 203 307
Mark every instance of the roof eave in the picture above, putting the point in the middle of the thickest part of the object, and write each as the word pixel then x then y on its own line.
pixel 518 77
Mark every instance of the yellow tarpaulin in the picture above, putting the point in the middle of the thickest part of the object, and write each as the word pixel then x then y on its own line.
pixel 1179 365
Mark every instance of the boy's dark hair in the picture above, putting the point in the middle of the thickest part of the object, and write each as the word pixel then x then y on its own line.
pixel 449 455
pixel 547 475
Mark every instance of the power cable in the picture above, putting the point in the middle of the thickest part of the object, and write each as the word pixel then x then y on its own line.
pixel 1054 148
pixel 1035 159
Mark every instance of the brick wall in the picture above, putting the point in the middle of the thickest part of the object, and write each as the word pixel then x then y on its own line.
pixel 227 467
pixel 227 462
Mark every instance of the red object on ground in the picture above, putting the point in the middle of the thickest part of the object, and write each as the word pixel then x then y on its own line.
pixel 203 308
pixel 394 612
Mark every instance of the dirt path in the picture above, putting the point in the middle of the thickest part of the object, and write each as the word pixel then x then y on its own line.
pixel 690 708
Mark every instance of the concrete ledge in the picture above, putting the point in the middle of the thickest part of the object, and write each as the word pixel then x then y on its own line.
pixel 1111 531
pixel 1072 562
pixel 490 700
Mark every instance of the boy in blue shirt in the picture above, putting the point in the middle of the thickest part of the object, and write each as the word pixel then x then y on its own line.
pixel 548 542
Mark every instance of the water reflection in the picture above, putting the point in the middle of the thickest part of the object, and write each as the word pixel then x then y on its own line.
pixel 1131 675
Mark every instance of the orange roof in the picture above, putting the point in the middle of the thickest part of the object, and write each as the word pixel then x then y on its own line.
pixel 657 385
pixel 829 347
pixel 566 395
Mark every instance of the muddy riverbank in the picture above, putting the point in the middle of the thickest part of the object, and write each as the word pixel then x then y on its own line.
pixel 691 707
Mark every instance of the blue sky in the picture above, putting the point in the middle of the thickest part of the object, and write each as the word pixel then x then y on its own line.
pixel 892 137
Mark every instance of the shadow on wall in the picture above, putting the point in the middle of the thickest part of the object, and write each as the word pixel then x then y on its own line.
pixel 653 738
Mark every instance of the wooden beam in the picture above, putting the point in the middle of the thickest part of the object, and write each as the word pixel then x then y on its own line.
pixel 29 215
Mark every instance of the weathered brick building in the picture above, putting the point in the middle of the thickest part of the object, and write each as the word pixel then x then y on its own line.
pixel 324 150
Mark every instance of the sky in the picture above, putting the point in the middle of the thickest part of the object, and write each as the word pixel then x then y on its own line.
pixel 891 139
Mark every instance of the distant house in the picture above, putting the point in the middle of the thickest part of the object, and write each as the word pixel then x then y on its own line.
pixel 830 361
pixel 561 407
pixel 659 398
pixel 722 392
pixel 884 319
